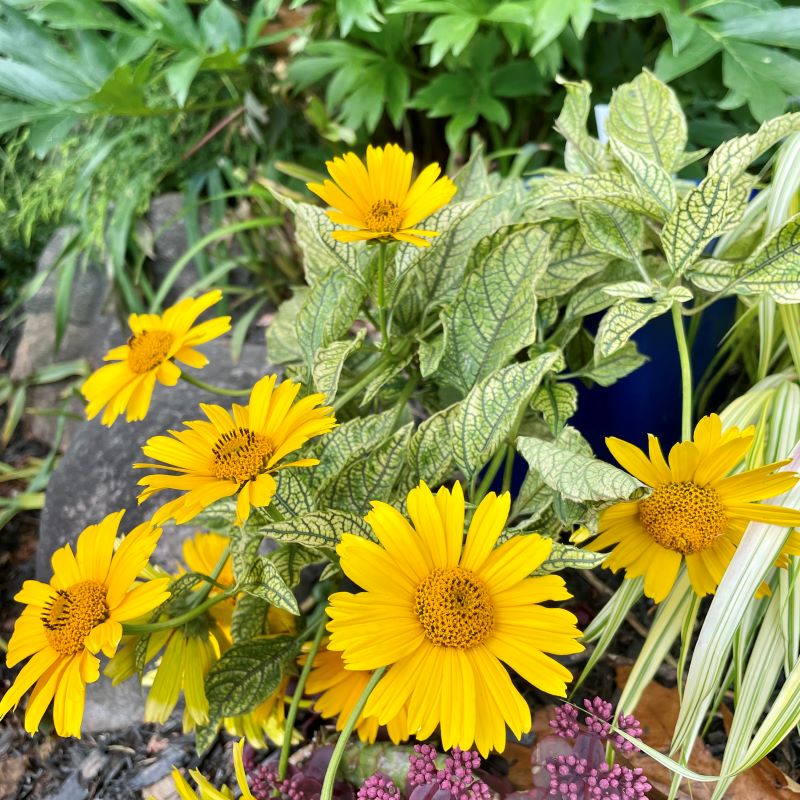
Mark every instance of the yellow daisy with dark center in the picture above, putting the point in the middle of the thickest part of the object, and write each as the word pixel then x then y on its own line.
pixel 696 511
pixel 156 342
pixel 78 614
pixel 444 614
pixel 379 200
pixel 236 452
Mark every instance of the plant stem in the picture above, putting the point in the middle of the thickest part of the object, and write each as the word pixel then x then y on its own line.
pixel 489 476
pixel 296 697
pixel 211 388
pixel 382 294
pixel 686 373
pixel 204 592
pixel 344 736
pixel 175 622
pixel 408 390
pixel 356 388
pixel 509 468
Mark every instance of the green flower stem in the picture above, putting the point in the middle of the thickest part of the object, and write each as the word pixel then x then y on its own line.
pixel 686 373
pixel 408 390
pixel 151 627
pixel 382 294
pixel 296 697
pixel 211 388
pixel 491 471
pixel 509 468
pixel 344 736
pixel 204 592
pixel 359 385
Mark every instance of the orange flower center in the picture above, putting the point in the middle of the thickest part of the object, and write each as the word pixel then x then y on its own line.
pixel 683 516
pixel 454 608
pixel 241 455
pixel 69 617
pixel 148 350
pixel 384 216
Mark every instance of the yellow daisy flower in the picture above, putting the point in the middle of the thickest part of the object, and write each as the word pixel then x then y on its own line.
pixel 379 200
pixel 339 689
pixel 156 342
pixel 695 512
pixel 78 614
pixel 207 791
pixel 444 614
pixel 235 453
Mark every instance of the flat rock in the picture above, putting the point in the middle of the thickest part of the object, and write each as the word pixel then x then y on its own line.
pixel 84 335
pixel 95 477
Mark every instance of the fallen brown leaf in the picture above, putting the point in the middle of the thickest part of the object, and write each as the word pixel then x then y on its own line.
pixel 658 713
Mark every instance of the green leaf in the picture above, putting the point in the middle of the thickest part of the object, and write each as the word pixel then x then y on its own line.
pixel 220 27
pixel 556 402
pixel 621 321
pixel 645 115
pixel 654 181
pixel 611 187
pixel 583 153
pixel 290 560
pixel 263 580
pixel 700 47
pixel 283 345
pixel 249 617
pixel 574 475
pixel 774 268
pixel 363 14
pixel 430 277
pixel 609 229
pixel 370 478
pixel 317 529
pixel 329 309
pixel 350 442
pixel 733 157
pixel 566 556
pixel 429 452
pixel 620 363
pixel 387 374
pixel 180 74
pixel 704 212
pixel 491 411
pixel 449 33
pixel 494 316
pixel 329 362
pixel 293 495
pixel 321 252
pixel 572 260
pixel 430 354
pixel 247 674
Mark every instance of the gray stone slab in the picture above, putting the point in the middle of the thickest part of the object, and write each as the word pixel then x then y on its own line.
pixel 95 476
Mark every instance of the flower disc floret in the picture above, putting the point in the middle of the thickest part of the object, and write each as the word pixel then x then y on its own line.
pixel 148 350
pixel 683 516
pixel 241 455
pixel 70 615
pixel 454 608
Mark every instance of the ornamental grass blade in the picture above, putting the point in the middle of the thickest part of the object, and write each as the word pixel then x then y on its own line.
pixel 755 555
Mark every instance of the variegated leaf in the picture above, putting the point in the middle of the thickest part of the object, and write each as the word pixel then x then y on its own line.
pixel 329 362
pixel 488 414
pixel 583 153
pixel 613 230
pixel 572 260
pixel 621 321
pixel 653 180
pixel 494 315
pixel 645 115
pixel 430 454
pixel 774 268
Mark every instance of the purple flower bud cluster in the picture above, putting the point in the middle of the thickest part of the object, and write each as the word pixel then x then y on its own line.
pixel 378 787
pixel 597 722
pixel 573 778
pixel 301 783
pixel 456 781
